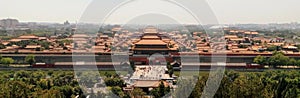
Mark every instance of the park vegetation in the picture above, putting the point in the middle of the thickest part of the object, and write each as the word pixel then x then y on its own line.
pixel 269 84
pixel 24 43
pixel 5 61
pixel 62 84
pixel 276 60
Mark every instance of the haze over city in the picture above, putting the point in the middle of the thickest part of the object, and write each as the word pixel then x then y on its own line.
pixel 226 11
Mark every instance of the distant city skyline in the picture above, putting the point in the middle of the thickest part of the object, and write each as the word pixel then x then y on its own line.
pixel 226 11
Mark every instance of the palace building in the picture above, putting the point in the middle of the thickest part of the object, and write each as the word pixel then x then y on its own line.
pixel 151 43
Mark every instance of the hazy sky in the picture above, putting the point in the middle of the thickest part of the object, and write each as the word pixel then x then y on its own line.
pixel 227 11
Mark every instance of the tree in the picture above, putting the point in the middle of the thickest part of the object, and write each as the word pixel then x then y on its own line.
pixel 16 89
pixel 44 44
pixel 171 45
pixel 38 49
pixel 278 59
pixel 106 45
pixel 7 61
pixel 2 46
pixel 260 60
pixel 155 93
pixel 138 92
pixel 242 46
pixel 274 48
pixel 162 89
pixel 227 47
pixel 118 91
pixel 65 48
pixel 170 69
pixel 52 94
pixel 30 59
pixel 203 40
pixel 114 81
pixel 298 63
pixel 292 62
